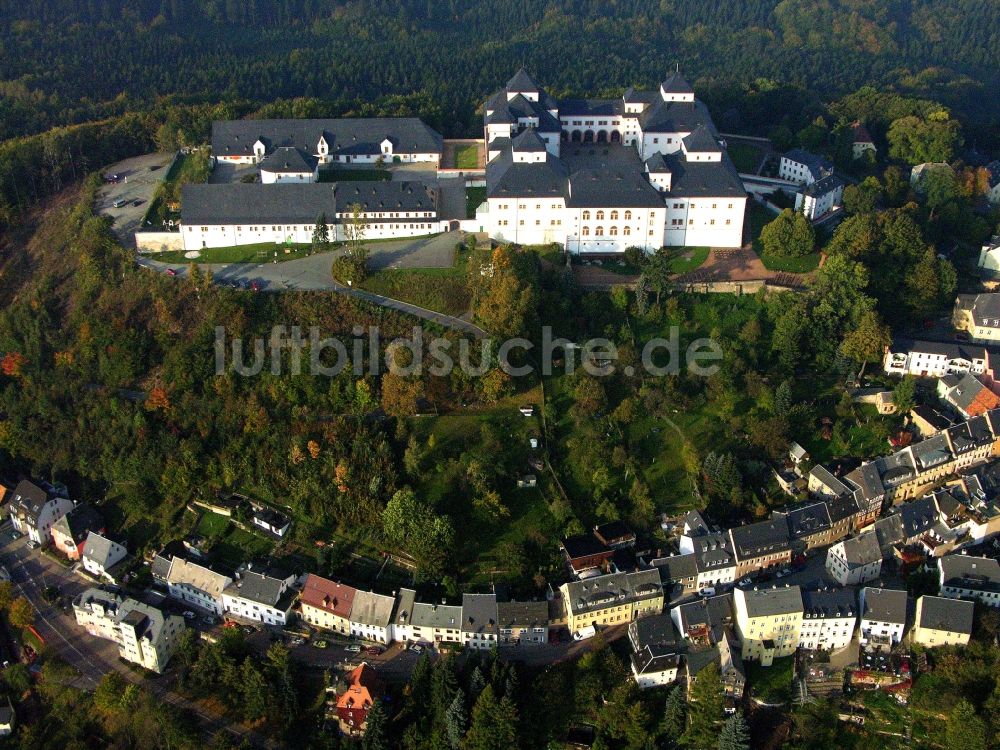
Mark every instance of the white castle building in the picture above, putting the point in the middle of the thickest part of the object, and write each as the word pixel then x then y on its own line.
pixel 594 176
pixel 598 176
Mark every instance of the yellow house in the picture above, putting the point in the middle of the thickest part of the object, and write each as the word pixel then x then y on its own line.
pixel 327 604
pixel 769 622
pixel 942 622
pixel 614 599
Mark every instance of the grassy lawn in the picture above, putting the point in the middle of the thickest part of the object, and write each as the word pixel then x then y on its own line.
pixel 467 156
pixel 212 524
pixel 884 713
pixel 771 684
pixel 442 290
pixel 744 156
pixel 335 174
pixel 687 259
pixel 258 252
pixel 474 197
pixel 805 264
pixel 237 546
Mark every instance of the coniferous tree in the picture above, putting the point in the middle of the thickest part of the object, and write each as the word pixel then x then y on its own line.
pixel 455 721
pixel 376 730
pixel 734 734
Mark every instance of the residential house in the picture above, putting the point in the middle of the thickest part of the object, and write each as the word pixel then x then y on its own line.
pixel 271 521
pixel 809 526
pixel 828 619
pixel 436 623
pixel 817 199
pixel 523 622
pixel 714 560
pixel 704 621
pixel 972 442
pixel 327 604
pixel 941 621
pixel 653 630
pixel 883 615
pixel 159 566
pixel 371 616
pixel 861 141
pixel 935 359
pixel 402 616
pixel 288 164
pixel 968 577
pixel 353 704
pixel 615 534
pixel 101 554
pixel 263 596
pixel 197 584
pixel 803 167
pixel 769 622
pixel 967 395
pixel 479 620
pixel 869 492
pixel 654 666
pixel 760 545
pixel 612 599
pixel 69 533
pixel 928 420
pixel 678 574
pixel 979 314
pixel 906 524
pixel 145 635
pixel 585 552
pixel 854 561
pixel 34 509
pixel 844 514
pixel 726 655
pixel 825 486
pixel 798 456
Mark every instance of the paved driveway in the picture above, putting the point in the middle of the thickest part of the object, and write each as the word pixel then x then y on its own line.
pixel 138 180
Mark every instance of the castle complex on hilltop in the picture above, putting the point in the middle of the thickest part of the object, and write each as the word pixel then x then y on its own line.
pixel 594 176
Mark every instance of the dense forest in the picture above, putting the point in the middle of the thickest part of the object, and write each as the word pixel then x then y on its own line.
pixel 70 61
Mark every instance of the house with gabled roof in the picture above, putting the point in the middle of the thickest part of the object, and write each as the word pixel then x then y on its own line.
pixel 101 555
pixel 523 622
pixel 34 509
pixel 327 604
pixel 261 595
pixel 862 142
pixel 941 621
pixel 613 599
pixel 760 545
pixel 371 616
pixel 197 584
pixel 969 577
pixel 883 615
pixel 363 688
pixel 769 621
pixel 479 620
pixel 69 533
pixel 854 561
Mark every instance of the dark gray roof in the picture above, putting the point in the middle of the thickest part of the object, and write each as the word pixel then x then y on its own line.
pixel 293 203
pixel 968 572
pixel 931 452
pixel 29 498
pixel 372 609
pixel 701 140
pixel 657 164
pixel 676 568
pixel 884 605
pixel 835 485
pixel 506 178
pixel 675 117
pixel 528 140
pixel 609 186
pixel 940 613
pixel 444 616
pixel 761 538
pixel 614 588
pixel 584 545
pixel 829 604
pixel 895 469
pixel 918 516
pixel 698 659
pixel 98 548
pixel 862 550
pixel 522 83
pixel 653 659
pixel 965 392
pixel 288 159
pixel 828 184
pixel 817 165
pixel 842 507
pixel 80 521
pixel 712 552
pixel 676 84
pixel 868 479
pixel 986 310
pixel 704 179
pixel 653 630
pixel 501 110
pixel 512 615
pixel 257 587
pixel 353 136
pixel 808 520
pixel 933 417
pixel 767 602
pixel 591 107
pixel 711 613
pixel 479 613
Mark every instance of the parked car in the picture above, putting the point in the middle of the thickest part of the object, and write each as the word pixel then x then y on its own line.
pixel 784 572
pixel 744 582
pixel 584 633
pixel 374 650
pixel 32 544
pixel 15 535
pixel 171 272
pixel 298 641
pixel 210 619
pixel 138 202
pixel 189 615
pixel 416 648
pixel 353 648
pixel 707 591
pixel 119 203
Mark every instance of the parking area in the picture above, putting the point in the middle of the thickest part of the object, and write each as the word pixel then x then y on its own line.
pixel 126 198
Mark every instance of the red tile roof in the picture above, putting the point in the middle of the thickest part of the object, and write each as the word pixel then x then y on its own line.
pixel 328 595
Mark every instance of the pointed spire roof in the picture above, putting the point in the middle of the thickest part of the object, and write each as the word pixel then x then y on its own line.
pixel 675 83
pixel 522 83
pixel 528 140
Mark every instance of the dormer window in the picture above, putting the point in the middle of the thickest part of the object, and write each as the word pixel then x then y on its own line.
pixel 387 147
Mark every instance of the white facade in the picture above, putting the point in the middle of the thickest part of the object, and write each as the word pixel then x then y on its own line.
pixel 249 609
pixel 38 529
pixel 199 237
pixel 100 554
pixel 650 673
pixel 194 584
pixel 854 572
pixel 969 577
pixel 816 205
pixel 269 178
pixel 881 627
pixel 827 633
pixel 925 359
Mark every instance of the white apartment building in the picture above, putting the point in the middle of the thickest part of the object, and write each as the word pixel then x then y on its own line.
pixel 968 577
pixel 820 198
pixel 371 616
pixel 828 619
pixel 480 627
pixel 769 622
pixel 145 635
pixel 34 509
pixel 100 554
pixel 883 615
pixel 260 597
pixel 195 584
pixel 933 359
pixel 803 167
pixel 855 561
